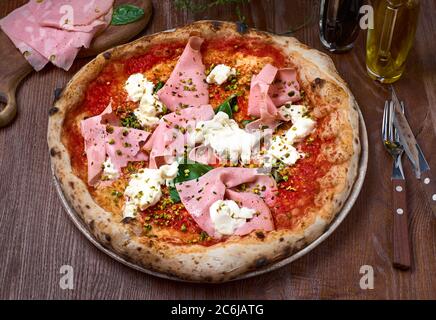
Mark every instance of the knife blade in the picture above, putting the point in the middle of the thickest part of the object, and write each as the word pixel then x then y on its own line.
pixel 423 164
pixel 406 135
pixel 428 183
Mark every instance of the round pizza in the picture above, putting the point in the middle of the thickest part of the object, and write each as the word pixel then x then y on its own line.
pixel 206 152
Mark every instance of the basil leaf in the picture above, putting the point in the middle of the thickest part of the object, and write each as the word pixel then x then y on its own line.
pixel 228 106
pixel 125 14
pixel 159 86
pixel 245 122
pixel 188 171
pixel 174 195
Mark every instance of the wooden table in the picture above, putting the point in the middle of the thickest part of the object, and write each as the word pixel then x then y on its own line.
pixel 37 238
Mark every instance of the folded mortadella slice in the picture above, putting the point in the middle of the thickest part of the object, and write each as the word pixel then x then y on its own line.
pixel 186 86
pixel 104 139
pixel 170 136
pixel 55 45
pixel 36 60
pixel 270 89
pixel 41 43
pixel 123 145
pixel 221 183
pixel 65 14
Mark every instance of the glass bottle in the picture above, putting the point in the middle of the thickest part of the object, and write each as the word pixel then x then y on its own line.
pixel 339 23
pixel 389 43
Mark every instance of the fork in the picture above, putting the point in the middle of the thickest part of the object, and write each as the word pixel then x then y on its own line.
pixel 392 144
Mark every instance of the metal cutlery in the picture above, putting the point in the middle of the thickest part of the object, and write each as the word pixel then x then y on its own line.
pixel 393 145
pixel 414 152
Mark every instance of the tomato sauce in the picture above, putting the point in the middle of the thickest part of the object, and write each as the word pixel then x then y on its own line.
pixel 157 54
pixel 297 194
pixel 247 45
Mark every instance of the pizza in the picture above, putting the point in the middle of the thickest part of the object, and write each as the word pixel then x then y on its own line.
pixel 206 152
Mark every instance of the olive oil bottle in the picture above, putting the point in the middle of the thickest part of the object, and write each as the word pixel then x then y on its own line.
pixel 389 43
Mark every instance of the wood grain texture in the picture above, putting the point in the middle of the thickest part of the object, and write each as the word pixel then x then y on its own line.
pixel 36 237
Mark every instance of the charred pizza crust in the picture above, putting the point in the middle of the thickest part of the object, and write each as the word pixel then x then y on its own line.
pixel 226 260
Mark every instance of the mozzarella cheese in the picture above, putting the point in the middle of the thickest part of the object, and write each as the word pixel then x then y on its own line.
pixel 281 148
pixel 283 151
pixel 136 85
pixel 227 216
pixel 292 112
pixel 225 137
pixel 169 172
pixel 109 170
pixel 144 188
pixel 140 89
pixel 220 74
pixel 300 129
pixel 148 109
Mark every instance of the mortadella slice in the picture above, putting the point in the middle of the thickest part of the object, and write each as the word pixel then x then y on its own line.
pixel 221 183
pixel 41 43
pixel 270 89
pixel 186 86
pixel 74 13
pixel 170 136
pixel 122 146
pixel 36 60
pixel 58 46
pixel 104 139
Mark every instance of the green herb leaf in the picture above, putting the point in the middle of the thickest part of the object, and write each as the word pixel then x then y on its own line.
pixel 188 171
pixel 125 14
pixel 174 195
pixel 159 86
pixel 229 105
pixel 245 122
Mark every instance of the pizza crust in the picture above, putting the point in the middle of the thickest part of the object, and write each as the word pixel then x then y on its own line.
pixel 228 260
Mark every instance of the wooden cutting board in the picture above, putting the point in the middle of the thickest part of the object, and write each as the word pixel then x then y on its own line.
pixel 14 67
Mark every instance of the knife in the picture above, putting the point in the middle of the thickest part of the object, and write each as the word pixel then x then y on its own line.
pixel 414 152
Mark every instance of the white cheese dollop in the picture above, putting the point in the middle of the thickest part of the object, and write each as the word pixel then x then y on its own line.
pixel 109 170
pixel 144 188
pixel 169 172
pixel 227 216
pixel 148 109
pixel 220 74
pixel 283 151
pixel 225 137
pixel 136 85
pixel 140 89
pixel 281 148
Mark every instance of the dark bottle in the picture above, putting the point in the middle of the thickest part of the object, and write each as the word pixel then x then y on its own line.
pixel 339 23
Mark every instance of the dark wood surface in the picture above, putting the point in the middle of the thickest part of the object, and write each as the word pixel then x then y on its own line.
pixel 37 238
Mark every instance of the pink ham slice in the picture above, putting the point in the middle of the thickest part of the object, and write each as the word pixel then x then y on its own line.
pixel 271 89
pixel 204 155
pixel 218 184
pixel 82 12
pixel 78 15
pixel 36 60
pixel 186 86
pixel 126 146
pixel 120 144
pixel 41 44
pixel 170 136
